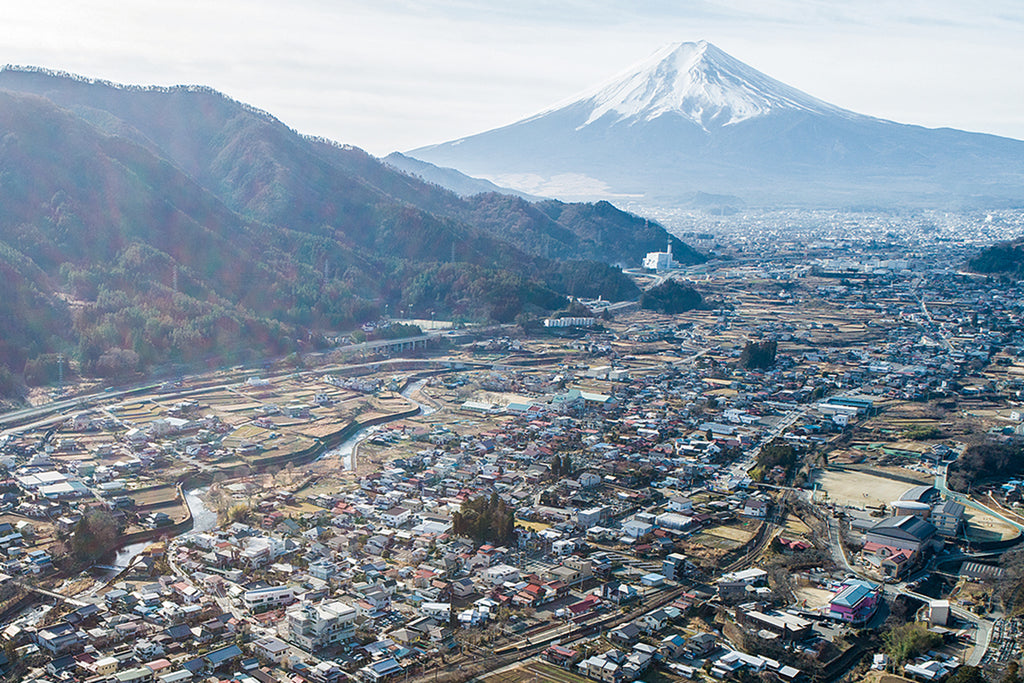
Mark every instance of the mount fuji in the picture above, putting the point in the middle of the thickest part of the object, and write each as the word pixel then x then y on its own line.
pixel 693 125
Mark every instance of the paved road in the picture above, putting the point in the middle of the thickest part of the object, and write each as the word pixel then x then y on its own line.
pixel 19 417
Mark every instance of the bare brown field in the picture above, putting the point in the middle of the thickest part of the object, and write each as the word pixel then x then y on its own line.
pixel 158 496
pixel 859 489
pixel 732 533
pixel 982 527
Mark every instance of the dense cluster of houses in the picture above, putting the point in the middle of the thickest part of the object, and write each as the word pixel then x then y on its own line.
pixel 373 583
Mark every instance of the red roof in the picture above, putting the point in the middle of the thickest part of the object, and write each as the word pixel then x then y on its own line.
pixel 584 605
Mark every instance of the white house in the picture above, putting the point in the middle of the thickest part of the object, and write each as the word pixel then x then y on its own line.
pixel 635 528
pixel 437 610
pixel 396 516
pixel 270 649
pixel 501 573
pixel 313 627
pixel 271 597
pixel 756 508
pixel 679 503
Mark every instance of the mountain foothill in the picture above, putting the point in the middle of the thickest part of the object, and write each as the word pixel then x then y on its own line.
pixel 145 226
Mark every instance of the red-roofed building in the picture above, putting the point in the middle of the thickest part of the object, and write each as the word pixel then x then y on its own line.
pixel 585 605
pixel 891 562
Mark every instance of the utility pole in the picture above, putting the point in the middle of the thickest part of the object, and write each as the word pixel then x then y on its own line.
pixel 60 372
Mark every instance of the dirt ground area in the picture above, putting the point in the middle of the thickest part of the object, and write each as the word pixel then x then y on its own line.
pixel 811 597
pixel 982 527
pixel 859 489
pixel 795 527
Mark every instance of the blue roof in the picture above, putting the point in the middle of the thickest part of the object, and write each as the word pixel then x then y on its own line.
pixel 386 666
pixel 854 592
pixel 222 655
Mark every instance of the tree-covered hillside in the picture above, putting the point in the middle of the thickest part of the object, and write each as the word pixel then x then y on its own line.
pixel 1007 257
pixel 140 227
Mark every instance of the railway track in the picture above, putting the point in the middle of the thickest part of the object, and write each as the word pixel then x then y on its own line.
pixel 765 536
pixel 522 650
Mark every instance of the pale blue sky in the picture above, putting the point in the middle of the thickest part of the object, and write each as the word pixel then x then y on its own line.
pixel 397 74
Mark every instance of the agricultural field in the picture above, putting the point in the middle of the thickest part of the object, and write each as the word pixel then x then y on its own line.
pixel 794 528
pixel 726 537
pixel 160 495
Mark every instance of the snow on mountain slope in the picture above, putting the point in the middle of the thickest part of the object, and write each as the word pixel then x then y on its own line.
pixel 693 121
pixel 699 82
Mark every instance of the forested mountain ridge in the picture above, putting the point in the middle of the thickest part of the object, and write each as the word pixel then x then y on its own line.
pixel 264 170
pixel 189 227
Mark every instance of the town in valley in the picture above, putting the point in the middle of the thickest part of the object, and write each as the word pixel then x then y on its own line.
pixel 813 475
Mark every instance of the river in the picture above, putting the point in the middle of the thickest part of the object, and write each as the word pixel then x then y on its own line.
pixel 345 449
pixel 203 519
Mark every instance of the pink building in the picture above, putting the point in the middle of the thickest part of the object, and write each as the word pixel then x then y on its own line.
pixel 855 602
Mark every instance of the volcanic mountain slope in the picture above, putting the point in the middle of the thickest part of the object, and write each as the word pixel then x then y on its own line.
pixel 141 226
pixel 692 119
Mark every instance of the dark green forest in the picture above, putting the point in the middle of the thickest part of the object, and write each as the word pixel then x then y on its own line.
pixel 671 297
pixel 999 258
pixel 759 355
pixel 988 460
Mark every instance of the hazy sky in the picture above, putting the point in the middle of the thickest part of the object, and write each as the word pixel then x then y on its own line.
pixel 391 75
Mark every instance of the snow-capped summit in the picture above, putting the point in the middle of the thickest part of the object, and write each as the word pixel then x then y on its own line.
pixel 699 82
pixel 692 125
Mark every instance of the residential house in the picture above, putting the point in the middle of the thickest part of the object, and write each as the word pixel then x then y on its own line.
pixel 270 649
pixel 313 627
pixel 625 634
